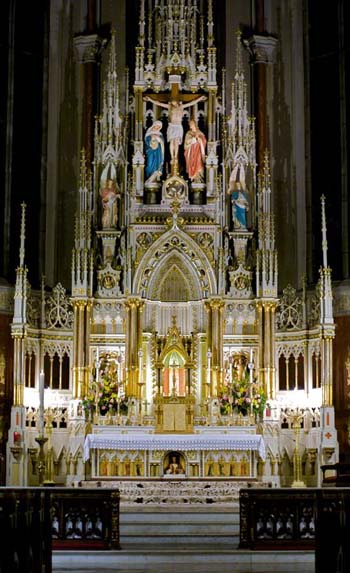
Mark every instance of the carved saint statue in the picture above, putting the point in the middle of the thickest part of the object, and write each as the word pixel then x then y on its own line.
pixel 195 143
pixel 154 145
pixel 174 467
pixel 109 195
pixel 240 206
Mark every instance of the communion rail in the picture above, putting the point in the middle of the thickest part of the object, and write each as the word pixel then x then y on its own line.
pixel 302 519
pixel 35 521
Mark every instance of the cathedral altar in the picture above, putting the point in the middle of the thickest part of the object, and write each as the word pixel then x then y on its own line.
pixel 139 452
pixel 175 355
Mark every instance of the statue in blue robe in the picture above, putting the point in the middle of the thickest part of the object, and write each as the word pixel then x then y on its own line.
pixel 240 206
pixel 154 147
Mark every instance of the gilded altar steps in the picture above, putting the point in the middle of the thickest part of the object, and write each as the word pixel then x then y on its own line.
pixel 179 526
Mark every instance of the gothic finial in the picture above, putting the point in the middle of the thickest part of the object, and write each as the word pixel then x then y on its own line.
pixel 223 91
pixel 239 64
pixel 142 24
pixel 83 171
pixel 23 236
pixel 324 231
pixel 266 176
pixel 210 24
pixel 112 53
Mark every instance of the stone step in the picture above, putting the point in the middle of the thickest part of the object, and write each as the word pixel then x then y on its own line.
pixel 228 541
pixel 179 526
pixel 195 560
pixel 174 514
pixel 178 529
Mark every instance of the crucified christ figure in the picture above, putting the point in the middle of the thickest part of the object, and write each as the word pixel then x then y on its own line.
pixel 175 130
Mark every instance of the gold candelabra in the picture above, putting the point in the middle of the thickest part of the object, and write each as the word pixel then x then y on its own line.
pixel 296 416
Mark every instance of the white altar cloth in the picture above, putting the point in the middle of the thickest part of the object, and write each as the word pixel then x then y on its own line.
pixel 184 442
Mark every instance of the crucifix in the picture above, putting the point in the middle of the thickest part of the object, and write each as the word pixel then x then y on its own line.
pixel 174 103
pixel 146 404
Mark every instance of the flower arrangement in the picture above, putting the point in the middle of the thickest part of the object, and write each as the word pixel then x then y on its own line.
pixel 106 394
pixel 241 397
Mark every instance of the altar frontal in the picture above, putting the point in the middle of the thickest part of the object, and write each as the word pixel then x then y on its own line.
pixel 134 455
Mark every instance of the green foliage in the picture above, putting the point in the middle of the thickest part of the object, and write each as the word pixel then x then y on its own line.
pixel 105 394
pixel 243 396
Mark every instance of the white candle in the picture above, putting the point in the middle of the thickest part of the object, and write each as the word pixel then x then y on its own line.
pixel 97 365
pixel 140 367
pixel 251 356
pixel 41 401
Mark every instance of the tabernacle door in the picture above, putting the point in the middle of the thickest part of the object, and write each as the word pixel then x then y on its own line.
pixel 174 417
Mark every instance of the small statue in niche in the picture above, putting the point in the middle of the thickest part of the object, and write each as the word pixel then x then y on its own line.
pixel 240 206
pixel 239 197
pixel 174 466
pixel 109 195
pixel 195 143
pixel 154 146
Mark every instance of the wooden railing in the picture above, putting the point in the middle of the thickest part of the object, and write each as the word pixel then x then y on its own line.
pixel 280 518
pixel 34 521
pixel 303 519
pixel 85 518
pixel 25 531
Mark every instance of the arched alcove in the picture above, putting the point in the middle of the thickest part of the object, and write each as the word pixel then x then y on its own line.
pixel 175 269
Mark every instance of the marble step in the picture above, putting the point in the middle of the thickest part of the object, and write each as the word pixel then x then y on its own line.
pixel 195 560
pixel 172 514
pixel 179 526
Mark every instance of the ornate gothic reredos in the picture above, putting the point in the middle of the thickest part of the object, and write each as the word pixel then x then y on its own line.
pixel 174 276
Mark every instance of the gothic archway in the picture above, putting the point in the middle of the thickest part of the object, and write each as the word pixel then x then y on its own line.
pixel 175 255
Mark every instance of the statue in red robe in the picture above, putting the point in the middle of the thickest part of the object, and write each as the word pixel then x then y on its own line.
pixel 195 143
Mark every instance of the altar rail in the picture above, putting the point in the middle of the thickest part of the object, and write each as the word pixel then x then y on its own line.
pixel 34 521
pixel 25 530
pixel 302 519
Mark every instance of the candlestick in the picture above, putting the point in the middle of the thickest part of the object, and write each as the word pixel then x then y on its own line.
pixel 209 355
pixel 230 369
pixel 41 402
pixel 97 365
pixel 251 370
pixel 140 354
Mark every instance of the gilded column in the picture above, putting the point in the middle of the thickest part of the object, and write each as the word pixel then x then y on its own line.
pixel 208 377
pixel 127 346
pixel 140 308
pixel 327 368
pixel 266 310
pixel 214 308
pixel 267 347
pixel 81 339
pixel 134 308
pixel 263 346
pixel 18 366
pixel 272 351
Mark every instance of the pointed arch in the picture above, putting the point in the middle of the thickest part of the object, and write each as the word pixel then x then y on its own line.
pixel 174 285
pixel 175 252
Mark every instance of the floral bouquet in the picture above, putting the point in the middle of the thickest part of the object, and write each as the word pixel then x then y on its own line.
pixel 106 395
pixel 243 397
